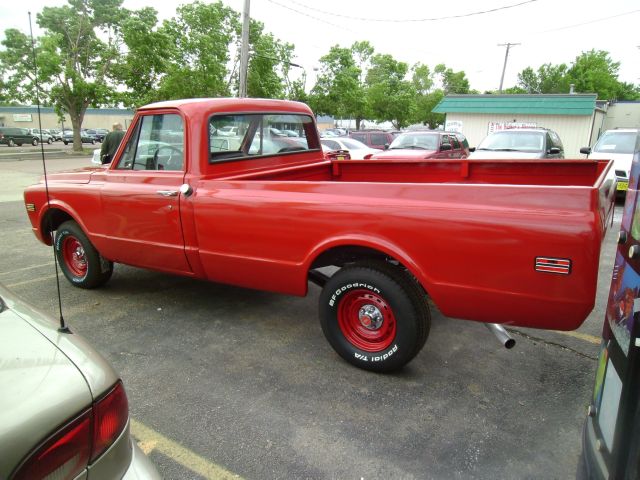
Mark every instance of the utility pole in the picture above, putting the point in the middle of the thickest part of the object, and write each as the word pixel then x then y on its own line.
pixel 506 56
pixel 244 50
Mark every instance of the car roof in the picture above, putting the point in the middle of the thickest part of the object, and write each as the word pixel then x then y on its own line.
pixel 538 130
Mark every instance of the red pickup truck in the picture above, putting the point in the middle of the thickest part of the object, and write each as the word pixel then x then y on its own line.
pixel 498 241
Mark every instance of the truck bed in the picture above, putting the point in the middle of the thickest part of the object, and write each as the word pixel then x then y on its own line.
pixel 471 232
pixel 566 173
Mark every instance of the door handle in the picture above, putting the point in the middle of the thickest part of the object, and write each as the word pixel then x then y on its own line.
pixel 168 193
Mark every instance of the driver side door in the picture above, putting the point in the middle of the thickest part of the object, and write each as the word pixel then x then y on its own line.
pixel 140 196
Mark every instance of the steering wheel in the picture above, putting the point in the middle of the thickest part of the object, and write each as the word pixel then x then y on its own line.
pixel 169 157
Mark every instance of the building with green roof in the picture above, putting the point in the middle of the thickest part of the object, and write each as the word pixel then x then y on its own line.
pixel 577 118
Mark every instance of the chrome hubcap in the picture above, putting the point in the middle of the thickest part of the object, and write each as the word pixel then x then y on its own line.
pixel 370 317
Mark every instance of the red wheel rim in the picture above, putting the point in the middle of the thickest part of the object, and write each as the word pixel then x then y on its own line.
pixel 74 256
pixel 366 320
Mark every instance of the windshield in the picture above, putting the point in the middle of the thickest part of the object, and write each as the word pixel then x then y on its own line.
pixel 513 140
pixel 353 144
pixel 422 141
pixel 616 142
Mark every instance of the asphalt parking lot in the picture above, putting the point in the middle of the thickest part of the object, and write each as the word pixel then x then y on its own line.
pixel 225 382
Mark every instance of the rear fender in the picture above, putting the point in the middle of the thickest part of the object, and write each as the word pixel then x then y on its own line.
pixel 374 245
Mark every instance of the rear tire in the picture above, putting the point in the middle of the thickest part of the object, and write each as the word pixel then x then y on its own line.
pixel 79 260
pixel 50 141
pixel 34 142
pixel 375 316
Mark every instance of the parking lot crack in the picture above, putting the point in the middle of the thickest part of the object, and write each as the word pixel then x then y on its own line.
pixel 552 344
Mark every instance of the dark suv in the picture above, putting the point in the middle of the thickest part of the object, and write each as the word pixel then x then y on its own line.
pixel 13 136
pixel 424 144
pixel 373 139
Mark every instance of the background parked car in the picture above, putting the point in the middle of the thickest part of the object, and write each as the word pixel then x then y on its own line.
pixel 618 145
pixel 520 143
pixel 426 144
pixel 13 136
pixel 63 409
pixel 56 134
pixel 67 137
pixel 98 133
pixel 357 150
pixel 373 139
pixel 37 134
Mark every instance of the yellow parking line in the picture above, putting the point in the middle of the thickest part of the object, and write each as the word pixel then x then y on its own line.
pixel 583 336
pixel 152 440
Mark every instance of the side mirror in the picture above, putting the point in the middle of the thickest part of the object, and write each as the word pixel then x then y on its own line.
pixel 445 147
pixel 386 146
pixel 586 150
pixel 472 149
pixel 554 151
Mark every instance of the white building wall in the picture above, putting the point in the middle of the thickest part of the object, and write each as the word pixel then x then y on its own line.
pixel 574 130
pixel 622 115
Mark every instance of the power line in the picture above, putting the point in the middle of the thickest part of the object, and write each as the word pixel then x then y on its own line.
pixel 408 20
pixel 311 16
pixel 589 22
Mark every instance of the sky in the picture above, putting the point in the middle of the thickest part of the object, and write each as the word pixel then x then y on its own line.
pixel 412 31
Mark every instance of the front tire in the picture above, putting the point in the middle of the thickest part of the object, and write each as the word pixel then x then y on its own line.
pixel 79 260
pixel 375 316
pixel 34 142
pixel 11 143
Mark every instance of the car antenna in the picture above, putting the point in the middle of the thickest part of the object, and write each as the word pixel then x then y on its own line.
pixel 63 326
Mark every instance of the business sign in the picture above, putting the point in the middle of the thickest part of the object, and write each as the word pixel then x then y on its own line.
pixel 453 126
pixel 498 126
pixel 22 117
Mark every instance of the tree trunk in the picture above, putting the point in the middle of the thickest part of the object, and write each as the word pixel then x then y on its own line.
pixel 77 118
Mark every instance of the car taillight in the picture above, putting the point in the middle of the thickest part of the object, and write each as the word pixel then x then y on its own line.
pixel 110 417
pixel 63 456
pixel 72 448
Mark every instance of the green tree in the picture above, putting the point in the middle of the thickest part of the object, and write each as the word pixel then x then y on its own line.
pixel 338 90
pixel 595 71
pixel 452 82
pixel 74 61
pixel 146 61
pixel 591 72
pixel 548 79
pixel 426 96
pixel 269 65
pixel 391 97
pixel 199 37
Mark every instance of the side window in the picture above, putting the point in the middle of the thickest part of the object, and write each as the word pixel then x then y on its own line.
pixel 445 140
pixel 240 136
pixel 556 140
pixel 454 142
pixel 156 144
pixel 549 141
pixel 379 139
pixel 361 137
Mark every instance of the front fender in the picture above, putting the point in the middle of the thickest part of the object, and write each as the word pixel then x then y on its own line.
pixel 51 215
